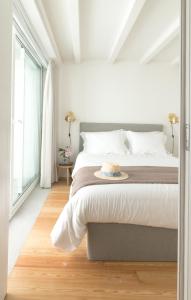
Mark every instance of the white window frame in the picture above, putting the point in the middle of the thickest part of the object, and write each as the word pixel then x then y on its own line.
pixel 20 35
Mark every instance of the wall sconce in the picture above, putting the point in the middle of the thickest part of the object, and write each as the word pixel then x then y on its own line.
pixel 70 118
pixel 173 119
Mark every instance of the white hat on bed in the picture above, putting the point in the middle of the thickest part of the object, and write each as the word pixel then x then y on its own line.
pixel 111 171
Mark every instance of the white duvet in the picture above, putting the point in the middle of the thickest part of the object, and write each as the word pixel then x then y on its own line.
pixel 142 204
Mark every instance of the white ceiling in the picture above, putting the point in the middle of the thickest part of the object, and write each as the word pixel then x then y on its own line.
pixel 113 30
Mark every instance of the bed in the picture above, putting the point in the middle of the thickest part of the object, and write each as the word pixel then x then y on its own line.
pixel 122 222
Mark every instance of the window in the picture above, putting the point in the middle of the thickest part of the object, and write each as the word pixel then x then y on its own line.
pixel 27 110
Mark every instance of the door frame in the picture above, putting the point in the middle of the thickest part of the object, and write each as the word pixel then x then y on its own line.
pixel 5 138
pixel 184 263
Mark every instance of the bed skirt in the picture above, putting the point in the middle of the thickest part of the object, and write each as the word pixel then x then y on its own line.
pixel 126 242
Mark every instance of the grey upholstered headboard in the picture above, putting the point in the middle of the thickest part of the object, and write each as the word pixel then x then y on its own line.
pixel 96 127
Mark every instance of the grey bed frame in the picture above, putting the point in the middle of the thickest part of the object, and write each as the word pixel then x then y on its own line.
pixel 127 242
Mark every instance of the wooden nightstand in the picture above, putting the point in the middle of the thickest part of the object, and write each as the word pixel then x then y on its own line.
pixel 68 167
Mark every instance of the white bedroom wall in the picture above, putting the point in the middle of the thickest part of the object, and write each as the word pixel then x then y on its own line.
pixel 122 92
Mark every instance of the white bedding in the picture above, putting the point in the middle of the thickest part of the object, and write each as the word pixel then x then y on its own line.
pixel 142 204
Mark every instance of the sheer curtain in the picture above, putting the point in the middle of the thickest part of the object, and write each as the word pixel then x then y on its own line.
pixel 48 148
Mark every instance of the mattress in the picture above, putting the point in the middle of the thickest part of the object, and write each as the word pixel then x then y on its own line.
pixel 154 205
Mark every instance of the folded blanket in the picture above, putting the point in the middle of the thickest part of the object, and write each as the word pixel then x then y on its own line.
pixel 137 174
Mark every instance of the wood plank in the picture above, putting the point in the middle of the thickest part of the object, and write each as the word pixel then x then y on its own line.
pixel 44 272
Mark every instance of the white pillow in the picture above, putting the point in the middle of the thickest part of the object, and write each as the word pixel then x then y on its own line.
pixel 108 142
pixel 146 142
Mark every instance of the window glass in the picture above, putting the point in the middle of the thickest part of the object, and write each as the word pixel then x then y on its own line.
pixel 27 107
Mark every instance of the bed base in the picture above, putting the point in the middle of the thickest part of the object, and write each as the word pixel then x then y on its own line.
pixel 126 242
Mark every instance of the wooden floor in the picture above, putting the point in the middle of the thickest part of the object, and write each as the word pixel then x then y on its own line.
pixel 44 273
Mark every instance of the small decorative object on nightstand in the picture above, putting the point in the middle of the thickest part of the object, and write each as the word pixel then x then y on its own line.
pixel 65 155
pixel 68 167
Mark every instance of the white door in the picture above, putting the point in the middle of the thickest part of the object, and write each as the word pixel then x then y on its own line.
pixel 5 129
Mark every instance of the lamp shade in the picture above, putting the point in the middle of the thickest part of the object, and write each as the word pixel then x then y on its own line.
pixel 173 118
pixel 70 117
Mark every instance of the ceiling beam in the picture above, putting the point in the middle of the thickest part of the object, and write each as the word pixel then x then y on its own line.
pixel 74 7
pixel 175 61
pixel 28 14
pixel 134 10
pixel 163 41
pixel 48 28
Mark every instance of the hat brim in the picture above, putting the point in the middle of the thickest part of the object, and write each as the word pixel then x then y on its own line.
pixel 123 176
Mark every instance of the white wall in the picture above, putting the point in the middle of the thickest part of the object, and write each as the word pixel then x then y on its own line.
pixel 5 121
pixel 123 92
